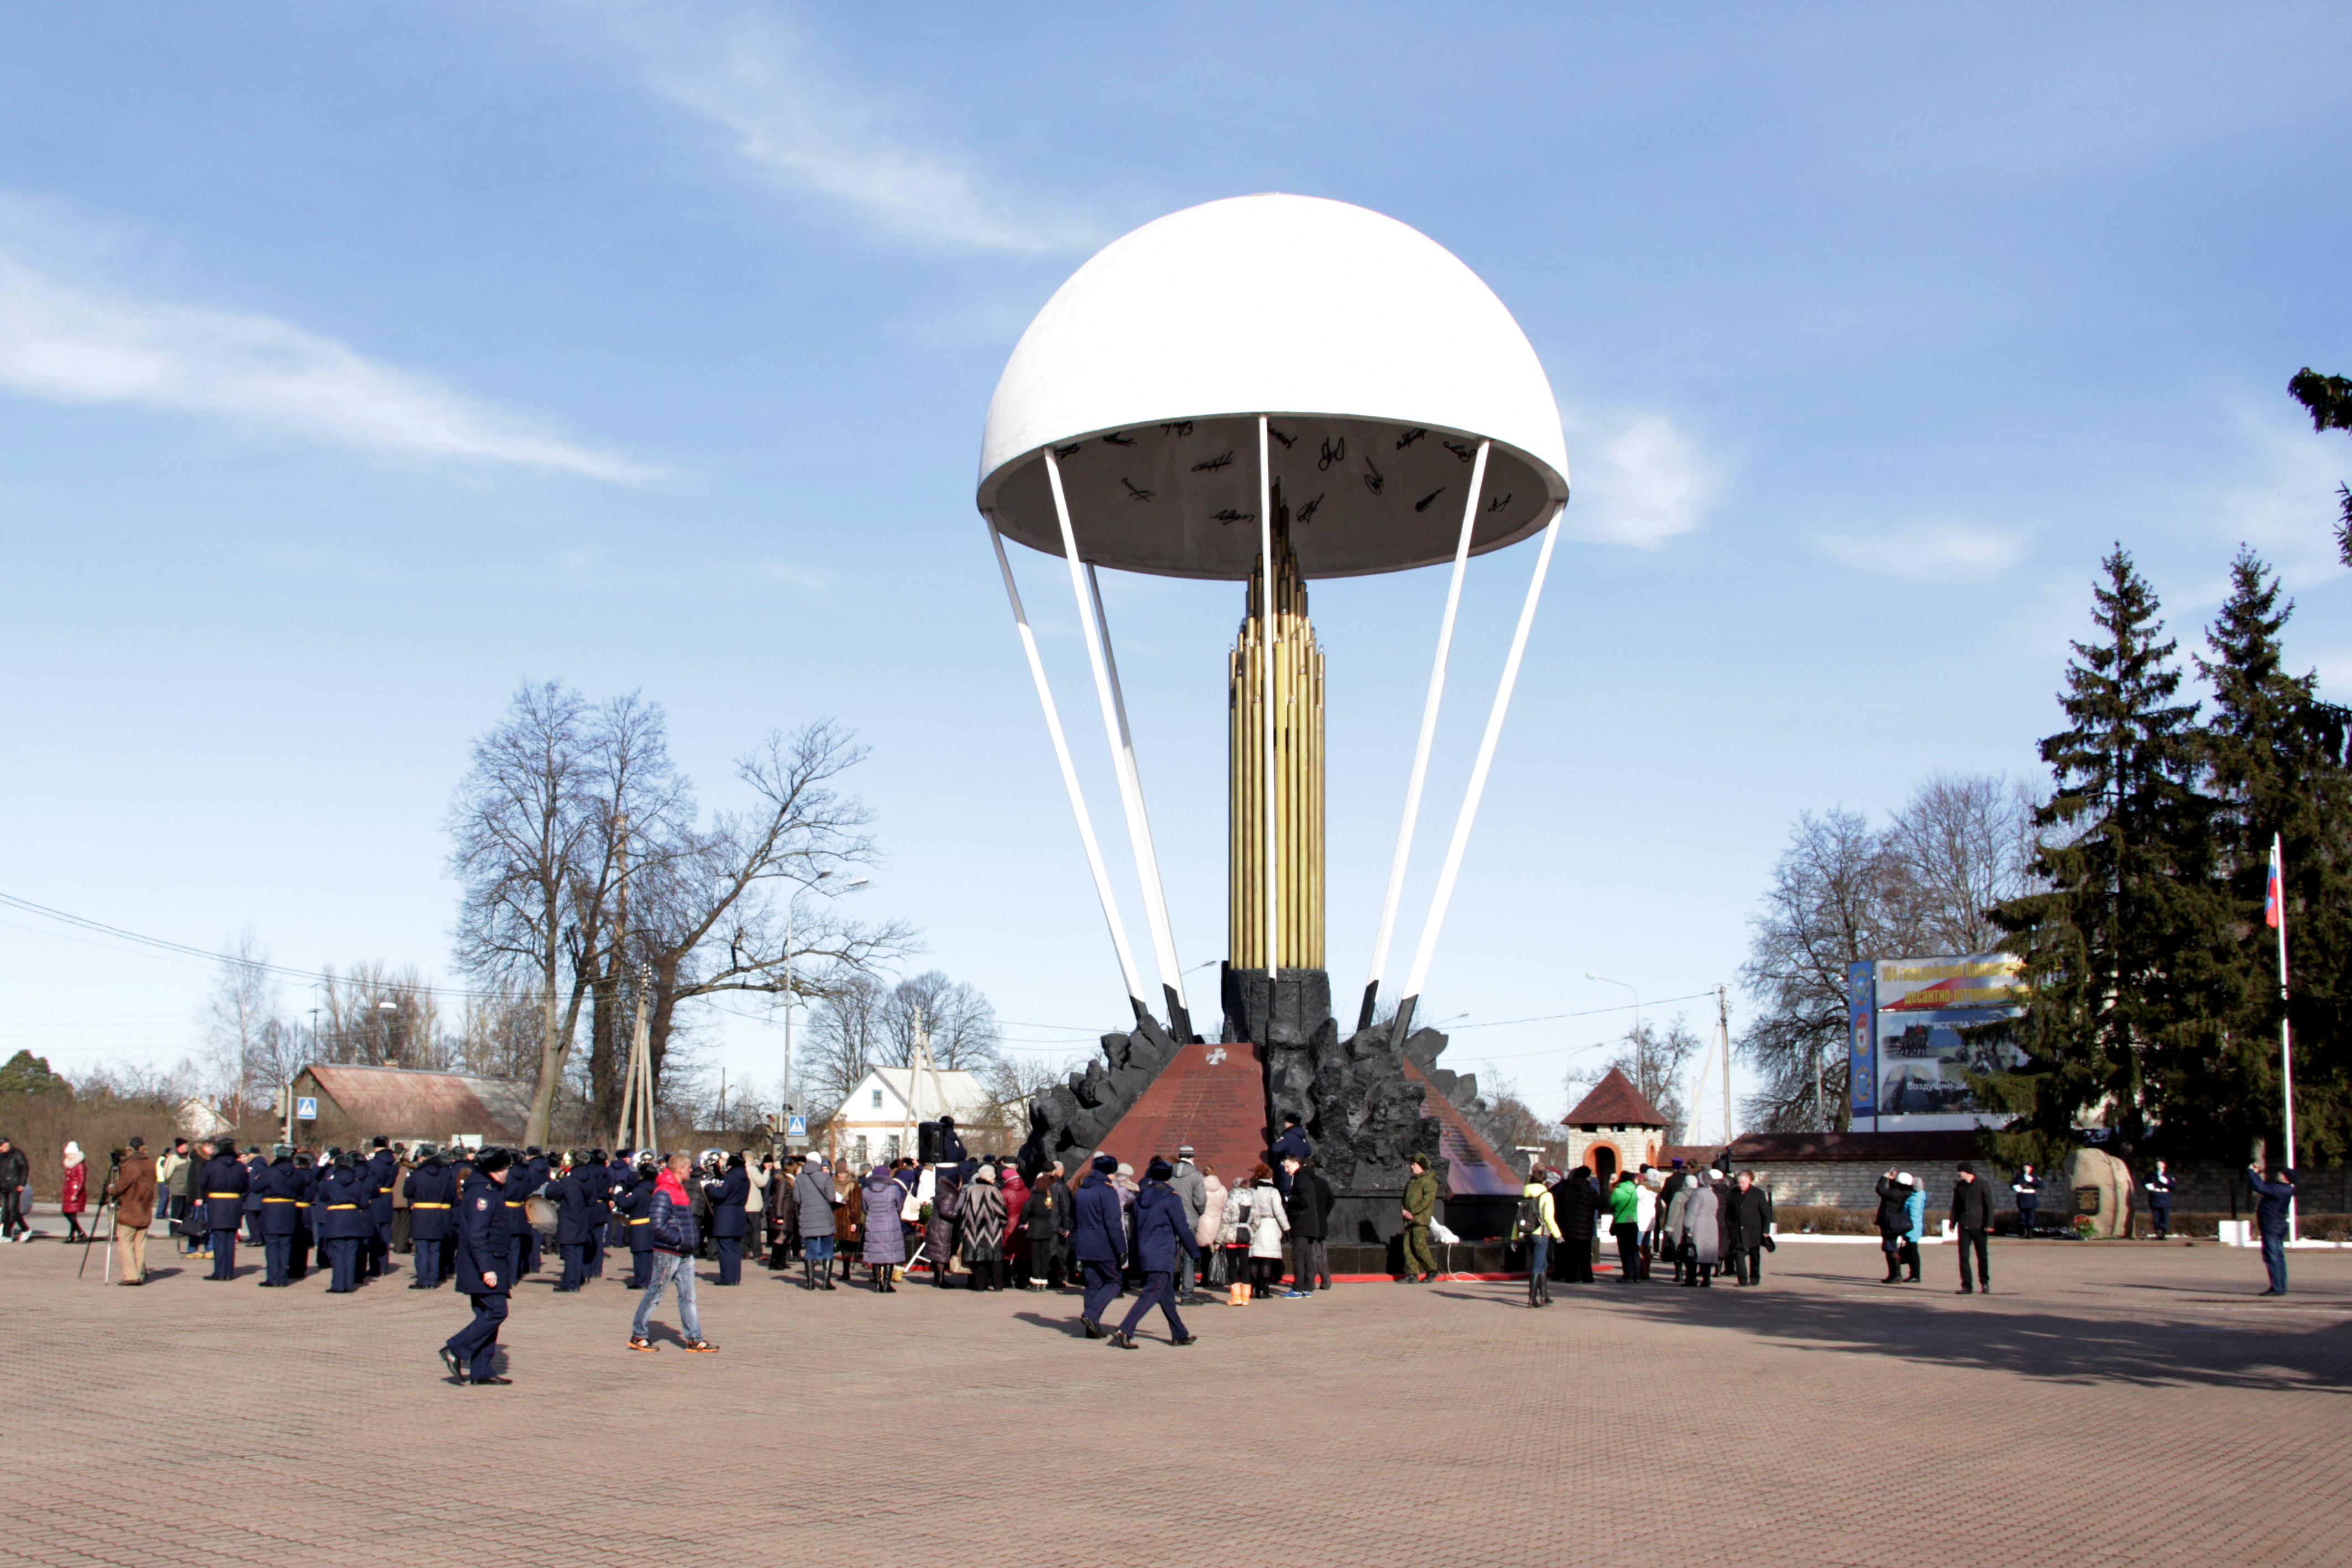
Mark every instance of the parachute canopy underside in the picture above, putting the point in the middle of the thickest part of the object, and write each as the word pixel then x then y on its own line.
pixel 1381 359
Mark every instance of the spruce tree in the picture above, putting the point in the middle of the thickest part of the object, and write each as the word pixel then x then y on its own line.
pixel 2123 945
pixel 2273 758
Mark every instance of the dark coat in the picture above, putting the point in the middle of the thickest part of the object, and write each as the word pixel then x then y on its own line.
pixel 432 1194
pixel 635 1203
pixel 576 1215
pixel 1163 1228
pixel 728 1194
pixel 1893 1208
pixel 483 1238
pixel 671 1222
pixel 2270 1214
pixel 813 1200
pixel 223 1187
pixel 1972 1205
pixel 16 1170
pixel 344 1203
pixel 1575 1203
pixel 1750 1216
pixel 281 1200
pixel 1294 1144
pixel 886 1237
pixel 1099 1229
pixel 1310 1206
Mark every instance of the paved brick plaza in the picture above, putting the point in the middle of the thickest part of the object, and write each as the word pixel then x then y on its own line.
pixel 2121 1404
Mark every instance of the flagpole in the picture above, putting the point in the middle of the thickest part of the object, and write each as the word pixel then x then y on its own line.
pixel 2286 1035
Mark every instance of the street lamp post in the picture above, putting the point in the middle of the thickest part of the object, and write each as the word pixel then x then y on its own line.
pixel 1637 996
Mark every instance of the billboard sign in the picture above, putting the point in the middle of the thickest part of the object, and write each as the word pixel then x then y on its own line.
pixel 1862 1040
pixel 1934 1021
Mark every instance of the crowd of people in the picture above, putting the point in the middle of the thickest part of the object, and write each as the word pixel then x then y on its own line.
pixel 480 1220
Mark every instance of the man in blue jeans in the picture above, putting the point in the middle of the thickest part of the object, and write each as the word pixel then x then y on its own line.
pixel 671 1222
pixel 2277 1196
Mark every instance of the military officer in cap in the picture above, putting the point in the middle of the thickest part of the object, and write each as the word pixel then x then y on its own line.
pixel 256 1171
pixel 596 1181
pixel 344 1224
pixel 728 1223
pixel 635 1204
pixel 431 1193
pixel 483 1248
pixel 524 1177
pixel 301 1184
pixel 221 1187
pixel 573 1224
pixel 376 1177
pixel 275 1183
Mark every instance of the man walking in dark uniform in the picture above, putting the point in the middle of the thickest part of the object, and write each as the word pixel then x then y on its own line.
pixel 2274 1206
pixel 573 1221
pixel 635 1203
pixel 1163 1233
pixel 222 1188
pixel 1099 1233
pixel 431 1193
pixel 2159 1201
pixel 482 1271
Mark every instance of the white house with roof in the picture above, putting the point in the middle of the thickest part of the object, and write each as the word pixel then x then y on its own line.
pixel 873 1122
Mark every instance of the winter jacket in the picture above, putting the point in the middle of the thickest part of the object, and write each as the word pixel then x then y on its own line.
pixel 1016 1203
pixel 1038 1216
pixel 1915 1214
pixel 1189 1185
pixel 1750 1215
pixel 849 1214
pixel 222 1186
pixel 1421 1198
pixel 813 1196
pixel 1546 1220
pixel 1163 1229
pixel 575 1222
pixel 2270 1214
pixel 1624 1202
pixel 1577 1205
pixel 1269 1220
pixel 672 1215
pixel 73 1191
pixel 1098 1229
pixel 1893 1208
pixel 1972 1205
pixel 728 1194
pixel 431 1193
pixel 1700 1230
pixel 485 1232
pixel 1310 1205
pixel 982 1224
pixel 1213 1211
pixel 16 1170
pixel 885 1237
pixel 134 1192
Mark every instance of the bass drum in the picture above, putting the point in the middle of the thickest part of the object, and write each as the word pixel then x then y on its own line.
pixel 541 1212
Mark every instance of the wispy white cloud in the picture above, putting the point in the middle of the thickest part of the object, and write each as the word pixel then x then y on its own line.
pixel 2285 505
pixel 1638 481
pixel 75 341
pixel 764 84
pixel 1926 551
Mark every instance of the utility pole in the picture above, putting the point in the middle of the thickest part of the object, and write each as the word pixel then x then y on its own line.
pixel 1723 1038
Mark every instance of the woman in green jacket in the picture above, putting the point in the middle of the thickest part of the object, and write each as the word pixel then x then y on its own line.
pixel 1625 1224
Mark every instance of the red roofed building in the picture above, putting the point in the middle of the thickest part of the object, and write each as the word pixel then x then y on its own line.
pixel 1615 1127
pixel 406 1105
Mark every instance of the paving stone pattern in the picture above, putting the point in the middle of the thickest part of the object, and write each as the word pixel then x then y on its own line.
pixel 2128 1403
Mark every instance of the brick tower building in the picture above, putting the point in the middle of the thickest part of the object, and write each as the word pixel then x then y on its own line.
pixel 1615 1127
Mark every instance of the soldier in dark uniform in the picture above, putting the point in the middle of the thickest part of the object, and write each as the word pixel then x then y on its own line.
pixel 344 1224
pixel 275 1183
pixel 431 1193
pixel 1294 1144
pixel 596 1181
pixel 524 1177
pixel 635 1204
pixel 2028 1188
pixel 617 1179
pixel 301 1184
pixel 221 1187
pixel 382 1169
pixel 2159 1201
pixel 483 1248
pixel 257 1184
pixel 574 1221
pixel 728 1223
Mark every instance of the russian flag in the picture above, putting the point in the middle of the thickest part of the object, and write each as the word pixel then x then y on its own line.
pixel 2273 895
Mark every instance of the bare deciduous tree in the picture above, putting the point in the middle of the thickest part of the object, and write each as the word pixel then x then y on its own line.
pixel 1964 843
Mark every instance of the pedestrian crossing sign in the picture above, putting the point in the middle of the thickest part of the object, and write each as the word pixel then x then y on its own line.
pixel 306 1108
pixel 797 1127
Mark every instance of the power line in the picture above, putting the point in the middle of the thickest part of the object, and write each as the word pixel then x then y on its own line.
pixel 1593 1013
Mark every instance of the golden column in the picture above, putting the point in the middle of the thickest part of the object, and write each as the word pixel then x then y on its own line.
pixel 1298 771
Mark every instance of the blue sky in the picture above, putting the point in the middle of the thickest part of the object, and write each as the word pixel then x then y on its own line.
pixel 357 363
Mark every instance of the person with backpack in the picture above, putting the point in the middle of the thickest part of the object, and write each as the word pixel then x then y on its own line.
pixel 1538 1227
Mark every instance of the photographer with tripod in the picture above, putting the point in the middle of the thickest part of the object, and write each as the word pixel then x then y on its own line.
pixel 130 1188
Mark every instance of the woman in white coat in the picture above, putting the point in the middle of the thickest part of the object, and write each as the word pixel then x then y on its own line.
pixel 1269 1222
pixel 1209 1231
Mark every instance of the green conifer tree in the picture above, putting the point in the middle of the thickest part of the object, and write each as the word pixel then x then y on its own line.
pixel 2123 942
pixel 2274 762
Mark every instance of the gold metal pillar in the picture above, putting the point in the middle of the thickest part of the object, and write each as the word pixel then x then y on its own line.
pixel 1298 769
